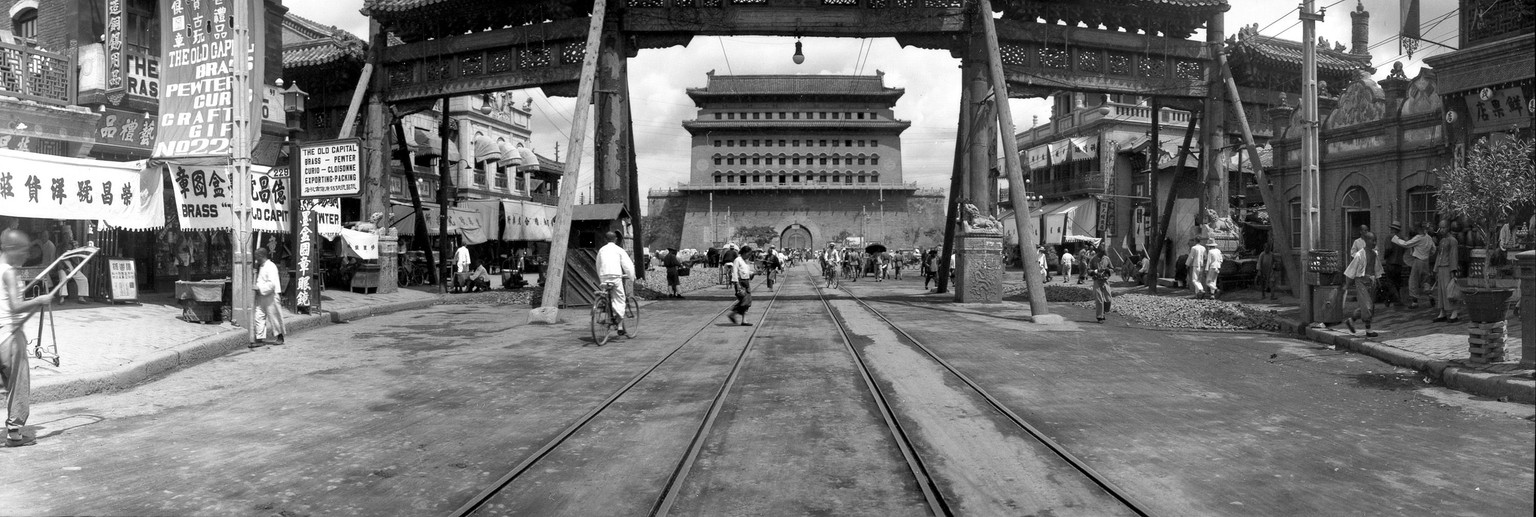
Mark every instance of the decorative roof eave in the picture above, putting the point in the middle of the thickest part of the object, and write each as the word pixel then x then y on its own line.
pixel 893 126
pixel 886 97
pixel 1170 18
pixel 416 20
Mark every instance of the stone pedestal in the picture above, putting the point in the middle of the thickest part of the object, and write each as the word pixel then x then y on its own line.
pixel 1526 265
pixel 979 268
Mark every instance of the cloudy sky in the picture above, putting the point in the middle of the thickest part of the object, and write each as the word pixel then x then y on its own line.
pixel 931 78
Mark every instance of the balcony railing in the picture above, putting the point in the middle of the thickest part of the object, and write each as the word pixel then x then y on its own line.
pixel 36 75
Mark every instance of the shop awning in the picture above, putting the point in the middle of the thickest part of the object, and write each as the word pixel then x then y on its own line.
pixel 428 145
pixel 486 149
pixel 1170 150
pixel 527 221
pixel 403 219
pixel 1059 221
pixel 517 156
pixel 487 218
pixel 600 212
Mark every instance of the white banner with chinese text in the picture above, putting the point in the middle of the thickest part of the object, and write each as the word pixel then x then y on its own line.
pixel 203 198
pixel 365 245
pixel 125 195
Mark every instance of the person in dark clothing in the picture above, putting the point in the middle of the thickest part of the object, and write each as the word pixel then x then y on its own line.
pixel 673 266
pixel 1392 260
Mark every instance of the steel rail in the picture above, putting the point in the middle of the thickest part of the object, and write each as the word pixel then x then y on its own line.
pixel 485 496
pixel 674 486
pixel 925 481
pixel 1061 451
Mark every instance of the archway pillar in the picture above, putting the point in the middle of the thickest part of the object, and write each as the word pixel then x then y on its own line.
pixel 978 254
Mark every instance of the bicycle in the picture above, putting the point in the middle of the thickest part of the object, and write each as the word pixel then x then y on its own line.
pixel 605 324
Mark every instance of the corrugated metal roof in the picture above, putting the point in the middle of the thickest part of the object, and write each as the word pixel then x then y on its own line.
pixel 600 212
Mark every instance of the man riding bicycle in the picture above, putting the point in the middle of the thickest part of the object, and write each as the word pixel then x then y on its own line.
pixel 831 260
pixel 614 267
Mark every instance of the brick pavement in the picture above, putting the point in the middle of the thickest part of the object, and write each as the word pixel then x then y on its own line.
pixel 97 340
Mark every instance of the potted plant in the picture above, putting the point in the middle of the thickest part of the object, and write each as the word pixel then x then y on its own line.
pixel 1496 180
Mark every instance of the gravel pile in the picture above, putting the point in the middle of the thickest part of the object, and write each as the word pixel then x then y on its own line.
pixel 1173 312
pixel 1188 313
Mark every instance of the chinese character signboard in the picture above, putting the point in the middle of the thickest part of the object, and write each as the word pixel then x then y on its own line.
pixel 124 194
pixel 203 198
pixel 116 82
pixel 198 90
pixel 327 215
pixel 1499 109
pixel 330 168
pixel 305 295
pixel 125 129
pixel 124 288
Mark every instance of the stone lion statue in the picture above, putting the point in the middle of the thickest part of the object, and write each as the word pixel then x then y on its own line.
pixel 976 222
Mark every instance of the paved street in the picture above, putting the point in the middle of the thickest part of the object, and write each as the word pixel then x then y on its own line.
pixel 418 412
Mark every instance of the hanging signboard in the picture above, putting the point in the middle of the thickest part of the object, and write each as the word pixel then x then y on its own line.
pixel 327 215
pixel 203 198
pixel 198 89
pixel 304 293
pixel 116 81
pixel 124 283
pixel 1498 109
pixel 124 194
pixel 330 168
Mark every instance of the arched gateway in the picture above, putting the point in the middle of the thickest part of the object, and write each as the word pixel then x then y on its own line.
pixel 795 236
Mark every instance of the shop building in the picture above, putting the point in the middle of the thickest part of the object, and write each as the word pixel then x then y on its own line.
pixel 83 81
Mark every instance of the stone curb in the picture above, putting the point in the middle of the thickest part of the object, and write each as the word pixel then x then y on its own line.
pixel 194 352
pixel 1491 385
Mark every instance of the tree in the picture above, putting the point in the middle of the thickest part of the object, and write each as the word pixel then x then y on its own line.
pixel 1497 179
pixel 759 235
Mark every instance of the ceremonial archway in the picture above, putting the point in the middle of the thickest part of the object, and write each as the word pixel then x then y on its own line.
pixel 579 48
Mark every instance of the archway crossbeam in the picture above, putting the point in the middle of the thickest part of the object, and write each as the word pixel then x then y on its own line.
pixel 1038 57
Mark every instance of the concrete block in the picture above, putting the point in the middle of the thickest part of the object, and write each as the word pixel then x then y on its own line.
pixel 545 315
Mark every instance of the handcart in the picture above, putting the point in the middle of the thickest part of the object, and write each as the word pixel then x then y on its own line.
pixel 51 351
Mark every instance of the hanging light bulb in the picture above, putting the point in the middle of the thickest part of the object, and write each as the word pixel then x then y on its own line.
pixel 799 56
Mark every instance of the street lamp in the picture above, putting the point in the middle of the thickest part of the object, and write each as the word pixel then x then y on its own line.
pixel 293 109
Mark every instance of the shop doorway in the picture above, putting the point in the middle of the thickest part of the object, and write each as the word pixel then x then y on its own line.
pixel 1357 213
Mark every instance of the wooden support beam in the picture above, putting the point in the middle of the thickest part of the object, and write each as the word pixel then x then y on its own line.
pixel 956 182
pixel 549 309
pixel 1032 275
pixel 1279 219
pixel 1173 191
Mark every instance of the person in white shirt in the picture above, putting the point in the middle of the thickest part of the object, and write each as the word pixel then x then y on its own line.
pixel 1196 263
pixel 1066 264
pixel 269 316
pixel 1363 270
pixel 461 259
pixel 615 267
pixel 741 276
pixel 1421 250
pixel 1359 243
pixel 830 261
pixel 1212 271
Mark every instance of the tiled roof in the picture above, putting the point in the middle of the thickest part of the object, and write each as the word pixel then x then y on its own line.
pixel 308 43
pixel 796 84
pixel 318 52
pixel 305 28
pixel 1289 52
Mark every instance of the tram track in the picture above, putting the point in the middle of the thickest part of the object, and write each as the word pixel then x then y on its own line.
pixel 937 490
pixel 663 502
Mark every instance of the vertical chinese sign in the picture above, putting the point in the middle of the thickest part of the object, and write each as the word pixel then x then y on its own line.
pixel 197 90
pixel 116 82
pixel 305 296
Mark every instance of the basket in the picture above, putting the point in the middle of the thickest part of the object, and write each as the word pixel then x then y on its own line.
pixel 1323 261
